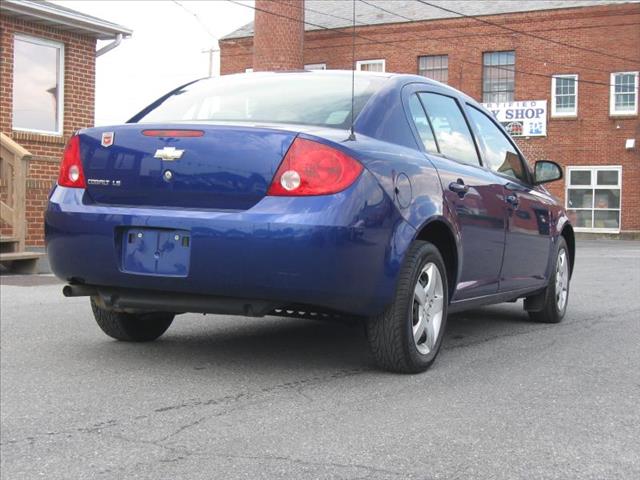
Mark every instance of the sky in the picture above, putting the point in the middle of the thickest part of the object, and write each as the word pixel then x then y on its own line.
pixel 164 52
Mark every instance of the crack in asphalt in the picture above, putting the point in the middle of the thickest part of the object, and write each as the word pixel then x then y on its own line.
pixel 239 399
pixel 231 400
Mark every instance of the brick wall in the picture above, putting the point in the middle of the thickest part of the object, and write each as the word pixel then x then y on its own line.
pixel 79 94
pixel 593 138
pixel 279 36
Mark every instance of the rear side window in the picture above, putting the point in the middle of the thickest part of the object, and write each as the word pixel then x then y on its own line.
pixel 306 98
pixel 422 124
pixel 499 154
pixel 450 128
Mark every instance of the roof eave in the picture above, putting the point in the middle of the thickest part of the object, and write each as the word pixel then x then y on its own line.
pixel 94 27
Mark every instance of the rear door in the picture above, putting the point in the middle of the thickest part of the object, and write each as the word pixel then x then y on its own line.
pixel 528 239
pixel 471 193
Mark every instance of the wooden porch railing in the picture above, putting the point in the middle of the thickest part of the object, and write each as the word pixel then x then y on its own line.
pixel 13 183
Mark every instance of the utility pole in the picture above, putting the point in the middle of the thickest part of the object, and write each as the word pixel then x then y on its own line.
pixel 211 51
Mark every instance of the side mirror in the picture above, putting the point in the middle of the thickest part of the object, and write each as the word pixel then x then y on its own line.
pixel 546 171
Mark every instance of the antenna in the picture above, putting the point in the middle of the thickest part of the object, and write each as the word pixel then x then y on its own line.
pixel 352 134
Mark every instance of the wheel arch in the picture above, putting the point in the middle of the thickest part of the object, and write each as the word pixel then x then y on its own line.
pixel 438 232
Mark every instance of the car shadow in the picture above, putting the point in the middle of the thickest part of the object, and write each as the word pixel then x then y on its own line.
pixel 272 343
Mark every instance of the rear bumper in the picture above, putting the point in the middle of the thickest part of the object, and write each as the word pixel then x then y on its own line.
pixel 340 252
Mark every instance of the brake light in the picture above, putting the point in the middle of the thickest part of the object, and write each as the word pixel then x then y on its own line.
pixel 172 133
pixel 311 168
pixel 71 173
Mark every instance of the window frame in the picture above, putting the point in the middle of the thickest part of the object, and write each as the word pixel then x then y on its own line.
pixel 382 61
pixel 528 182
pixel 554 112
pixel 413 123
pixel 612 95
pixel 443 55
pixel 318 66
pixel 484 67
pixel 474 139
pixel 61 71
pixel 593 186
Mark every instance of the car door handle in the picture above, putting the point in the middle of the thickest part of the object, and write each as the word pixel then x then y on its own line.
pixel 459 187
pixel 512 200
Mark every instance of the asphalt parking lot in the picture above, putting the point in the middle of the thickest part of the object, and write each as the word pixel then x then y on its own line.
pixel 229 397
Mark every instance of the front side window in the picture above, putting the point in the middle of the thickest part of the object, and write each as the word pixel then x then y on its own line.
pixel 450 128
pixel 593 198
pixel 435 67
pixel 624 93
pixel 498 77
pixel 499 154
pixel 38 73
pixel 370 65
pixel 564 95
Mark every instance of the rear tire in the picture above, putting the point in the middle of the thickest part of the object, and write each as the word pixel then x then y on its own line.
pixel 556 296
pixel 131 327
pixel 407 336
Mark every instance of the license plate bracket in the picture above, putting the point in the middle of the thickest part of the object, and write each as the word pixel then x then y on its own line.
pixel 156 251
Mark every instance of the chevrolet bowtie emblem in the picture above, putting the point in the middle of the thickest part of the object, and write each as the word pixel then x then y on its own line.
pixel 168 153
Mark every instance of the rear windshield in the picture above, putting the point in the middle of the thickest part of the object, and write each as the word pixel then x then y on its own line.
pixel 301 98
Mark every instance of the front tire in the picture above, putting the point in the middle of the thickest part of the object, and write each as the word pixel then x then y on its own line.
pixel 556 296
pixel 407 336
pixel 131 327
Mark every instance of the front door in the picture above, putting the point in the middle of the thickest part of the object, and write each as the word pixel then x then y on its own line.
pixel 528 240
pixel 528 246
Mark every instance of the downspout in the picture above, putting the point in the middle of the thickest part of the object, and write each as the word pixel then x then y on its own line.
pixel 110 46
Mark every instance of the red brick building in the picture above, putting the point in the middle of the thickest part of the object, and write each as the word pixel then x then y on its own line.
pixel 47 89
pixel 581 58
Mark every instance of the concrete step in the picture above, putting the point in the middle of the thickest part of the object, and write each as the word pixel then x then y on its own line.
pixel 20 262
pixel 9 244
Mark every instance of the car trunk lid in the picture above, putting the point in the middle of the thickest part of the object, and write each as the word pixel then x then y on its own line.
pixel 184 166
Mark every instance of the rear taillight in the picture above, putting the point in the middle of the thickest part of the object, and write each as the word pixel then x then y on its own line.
pixel 311 168
pixel 71 173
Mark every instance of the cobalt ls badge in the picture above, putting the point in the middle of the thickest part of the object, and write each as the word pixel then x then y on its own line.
pixel 107 139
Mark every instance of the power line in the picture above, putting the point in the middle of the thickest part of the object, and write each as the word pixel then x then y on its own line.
pixel 478 49
pixel 308 9
pixel 504 27
pixel 197 17
pixel 472 35
pixel 323 27
pixel 387 11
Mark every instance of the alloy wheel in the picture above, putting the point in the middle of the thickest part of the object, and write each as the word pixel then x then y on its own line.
pixel 562 280
pixel 428 305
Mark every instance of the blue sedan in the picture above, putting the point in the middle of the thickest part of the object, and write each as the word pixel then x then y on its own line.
pixel 284 194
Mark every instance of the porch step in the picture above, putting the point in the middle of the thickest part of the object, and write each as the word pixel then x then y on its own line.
pixel 20 262
pixel 9 244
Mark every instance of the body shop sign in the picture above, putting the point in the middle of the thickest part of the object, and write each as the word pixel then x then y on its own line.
pixel 521 119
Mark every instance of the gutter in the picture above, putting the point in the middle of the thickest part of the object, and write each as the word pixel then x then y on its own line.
pixel 110 46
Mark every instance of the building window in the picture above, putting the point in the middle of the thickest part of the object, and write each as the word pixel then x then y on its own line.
pixel 564 95
pixel 498 77
pixel 315 66
pixel 624 93
pixel 593 198
pixel 38 73
pixel 435 67
pixel 370 65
